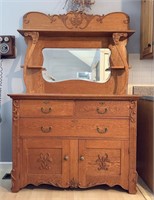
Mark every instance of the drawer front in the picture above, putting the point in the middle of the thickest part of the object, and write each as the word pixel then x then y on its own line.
pixel 80 128
pixel 44 108
pixel 101 109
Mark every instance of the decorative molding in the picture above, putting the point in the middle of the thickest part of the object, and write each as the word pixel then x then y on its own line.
pixel 52 18
pixel 117 36
pixel 100 19
pixel 132 108
pixel 45 161
pixel 44 180
pixel 25 19
pixel 103 162
pixel 75 20
pixel 73 183
pixel 15 110
pixel 34 35
pixel 127 20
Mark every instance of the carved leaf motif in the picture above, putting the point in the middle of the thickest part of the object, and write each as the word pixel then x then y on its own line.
pixel 15 110
pixel 45 161
pixel 103 162
pixel 132 111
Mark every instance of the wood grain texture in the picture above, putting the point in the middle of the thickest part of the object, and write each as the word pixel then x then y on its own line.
pixel 74 133
pixel 76 30
pixel 71 150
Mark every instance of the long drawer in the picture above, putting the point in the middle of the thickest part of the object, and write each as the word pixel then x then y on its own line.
pixel 101 109
pixel 115 128
pixel 46 108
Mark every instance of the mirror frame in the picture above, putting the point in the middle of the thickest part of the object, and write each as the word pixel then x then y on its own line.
pixel 76 30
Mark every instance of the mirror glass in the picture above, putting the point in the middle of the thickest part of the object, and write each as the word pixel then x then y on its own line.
pixel 71 64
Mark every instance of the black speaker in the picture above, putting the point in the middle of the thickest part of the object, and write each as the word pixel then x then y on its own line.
pixel 7 46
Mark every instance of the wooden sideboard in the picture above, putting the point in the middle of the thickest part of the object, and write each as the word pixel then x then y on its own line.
pixel 74 141
pixel 75 133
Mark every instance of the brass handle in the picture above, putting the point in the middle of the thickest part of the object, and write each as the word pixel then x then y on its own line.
pixel 46 129
pixel 66 157
pixel 45 110
pixel 81 158
pixel 99 111
pixel 105 130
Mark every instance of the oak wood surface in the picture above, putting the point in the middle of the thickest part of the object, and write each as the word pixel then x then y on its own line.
pixel 71 150
pixel 76 30
pixel 74 134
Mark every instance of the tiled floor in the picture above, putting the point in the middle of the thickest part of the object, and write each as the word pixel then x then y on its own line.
pixel 51 193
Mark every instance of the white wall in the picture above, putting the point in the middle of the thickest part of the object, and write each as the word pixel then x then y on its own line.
pixel 11 13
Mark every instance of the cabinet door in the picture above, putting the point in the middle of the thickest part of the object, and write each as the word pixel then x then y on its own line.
pixel 45 161
pixel 103 162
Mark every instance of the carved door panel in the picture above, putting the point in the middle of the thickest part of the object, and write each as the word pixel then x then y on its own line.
pixel 103 162
pixel 45 161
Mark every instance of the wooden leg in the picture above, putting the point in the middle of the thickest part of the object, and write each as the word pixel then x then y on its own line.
pixel 15 187
pixel 133 183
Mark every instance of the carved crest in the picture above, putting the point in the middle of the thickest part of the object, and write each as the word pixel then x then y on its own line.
pixel 75 20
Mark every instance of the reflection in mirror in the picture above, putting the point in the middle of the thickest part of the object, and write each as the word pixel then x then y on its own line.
pixel 71 64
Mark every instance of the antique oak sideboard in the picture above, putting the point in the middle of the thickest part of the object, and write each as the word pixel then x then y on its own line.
pixel 75 133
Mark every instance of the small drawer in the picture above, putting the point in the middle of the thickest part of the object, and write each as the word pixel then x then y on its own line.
pixel 99 109
pixel 75 128
pixel 46 127
pixel 45 108
pixel 112 128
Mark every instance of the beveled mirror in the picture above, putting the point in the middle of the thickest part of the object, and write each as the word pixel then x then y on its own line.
pixel 88 64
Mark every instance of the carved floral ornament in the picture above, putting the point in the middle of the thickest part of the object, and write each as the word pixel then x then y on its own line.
pixel 133 111
pixel 45 161
pixel 75 19
pixel 15 110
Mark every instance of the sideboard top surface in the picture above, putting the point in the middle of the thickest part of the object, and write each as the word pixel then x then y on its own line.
pixel 73 96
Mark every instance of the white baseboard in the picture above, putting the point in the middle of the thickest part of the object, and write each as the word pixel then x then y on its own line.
pixel 5 163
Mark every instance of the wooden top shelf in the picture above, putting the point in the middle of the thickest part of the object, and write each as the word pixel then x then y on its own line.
pixel 76 24
pixel 50 33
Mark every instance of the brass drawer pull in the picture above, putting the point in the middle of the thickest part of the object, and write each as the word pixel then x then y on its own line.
pixel 45 110
pixel 66 157
pixel 99 111
pixel 105 130
pixel 46 129
pixel 82 158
